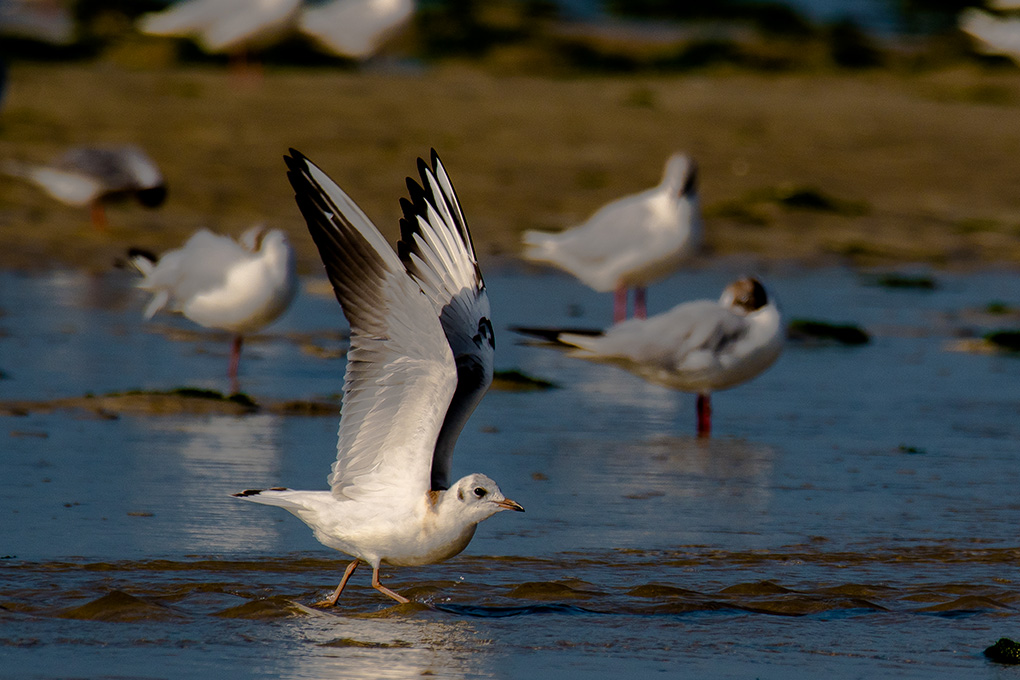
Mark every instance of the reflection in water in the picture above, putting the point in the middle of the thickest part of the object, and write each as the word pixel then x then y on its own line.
pixel 218 455
pixel 397 647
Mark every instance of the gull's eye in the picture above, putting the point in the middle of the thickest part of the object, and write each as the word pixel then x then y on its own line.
pixel 480 492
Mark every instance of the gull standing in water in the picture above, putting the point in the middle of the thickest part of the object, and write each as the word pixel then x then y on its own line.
pixel 632 241
pixel 420 360
pixel 91 176
pixel 236 286
pixel 701 346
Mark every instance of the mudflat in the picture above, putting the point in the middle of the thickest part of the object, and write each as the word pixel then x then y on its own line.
pixel 873 167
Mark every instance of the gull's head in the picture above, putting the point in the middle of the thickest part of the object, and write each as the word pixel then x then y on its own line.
pixel 479 497
pixel 682 175
pixel 744 296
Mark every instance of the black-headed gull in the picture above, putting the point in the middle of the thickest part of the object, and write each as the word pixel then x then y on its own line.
pixel 236 286
pixel 632 241
pixel 91 176
pixel 700 346
pixel 420 359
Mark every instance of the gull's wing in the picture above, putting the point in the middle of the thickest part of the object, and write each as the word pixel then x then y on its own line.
pixel 400 370
pixel 435 247
pixel 680 339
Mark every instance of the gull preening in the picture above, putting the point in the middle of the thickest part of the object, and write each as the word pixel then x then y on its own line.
pixel 632 241
pixel 91 176
pixel 420 360
pixel 701 346
pixel 236 286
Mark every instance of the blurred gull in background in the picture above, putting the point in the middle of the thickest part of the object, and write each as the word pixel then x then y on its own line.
pixel 48 21
pixel 632 241
pixel 355 28
pixel 993 34
pixel 348 28
pixel 93 176
pixel 233 27
pixel 217 282
pixel 700 346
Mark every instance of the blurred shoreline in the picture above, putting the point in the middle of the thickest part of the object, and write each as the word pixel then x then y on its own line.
pixel 869 167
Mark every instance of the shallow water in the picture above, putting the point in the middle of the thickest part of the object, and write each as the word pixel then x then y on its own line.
pixel 854 514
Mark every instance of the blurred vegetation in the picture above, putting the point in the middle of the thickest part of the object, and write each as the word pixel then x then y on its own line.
pixel 534 37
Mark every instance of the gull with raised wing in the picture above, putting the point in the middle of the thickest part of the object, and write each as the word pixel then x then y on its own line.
pixel 632 241
pixel 420 360
pixel 700 346
pixel 92 176
pixel 236 286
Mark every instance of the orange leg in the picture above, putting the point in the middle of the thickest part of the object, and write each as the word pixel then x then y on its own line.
pixel 235 356
pixel 620 304
pixel 98 214
pixel 640 308
pixel 331 600
pixel 384 590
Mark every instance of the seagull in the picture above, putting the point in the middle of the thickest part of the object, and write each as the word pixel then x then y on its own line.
pixel 354 28
pixel 88 175
pixel 217 282
pixel 700 346
pixel 233 27
pixel 632 241
pixel 993 34
pixel 420 360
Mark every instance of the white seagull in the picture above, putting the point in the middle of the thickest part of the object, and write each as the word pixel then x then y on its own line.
pixel 233 27
pixel 92 176
pixel 993 34
pixel 217 282
pixel 420 360
pixel 354 28
pixel 700 346
pixel 632 241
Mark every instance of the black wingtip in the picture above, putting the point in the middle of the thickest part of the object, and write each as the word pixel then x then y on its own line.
pixel 553 334
pixel 143 253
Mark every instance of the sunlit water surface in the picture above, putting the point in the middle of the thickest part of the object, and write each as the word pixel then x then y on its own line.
pixel 854 515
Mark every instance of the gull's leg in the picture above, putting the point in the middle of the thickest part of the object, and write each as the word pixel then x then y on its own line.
pixel 98 213
pixel 384 590
pixel 620 304
pixel 704 415
pixel 640 308
pixel 331 600
pixel 235 357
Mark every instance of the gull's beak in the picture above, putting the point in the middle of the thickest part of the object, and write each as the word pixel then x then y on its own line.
pixel 507 504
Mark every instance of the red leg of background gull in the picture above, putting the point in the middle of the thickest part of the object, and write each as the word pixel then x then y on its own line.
pixel 98 214
pixel 640 309
pixel 235 357
pixel 704 415
pixel 620 304
pixel 384 590
pixel 331 600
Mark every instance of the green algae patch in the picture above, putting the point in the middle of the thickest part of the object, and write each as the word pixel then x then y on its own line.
pixel 809 330
pixel 120 606
pixel 275 607
pixel 1004 651
pixel 177 401
pixel 517 381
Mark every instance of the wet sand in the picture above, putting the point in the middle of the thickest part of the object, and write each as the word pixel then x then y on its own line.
pixel 870 168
